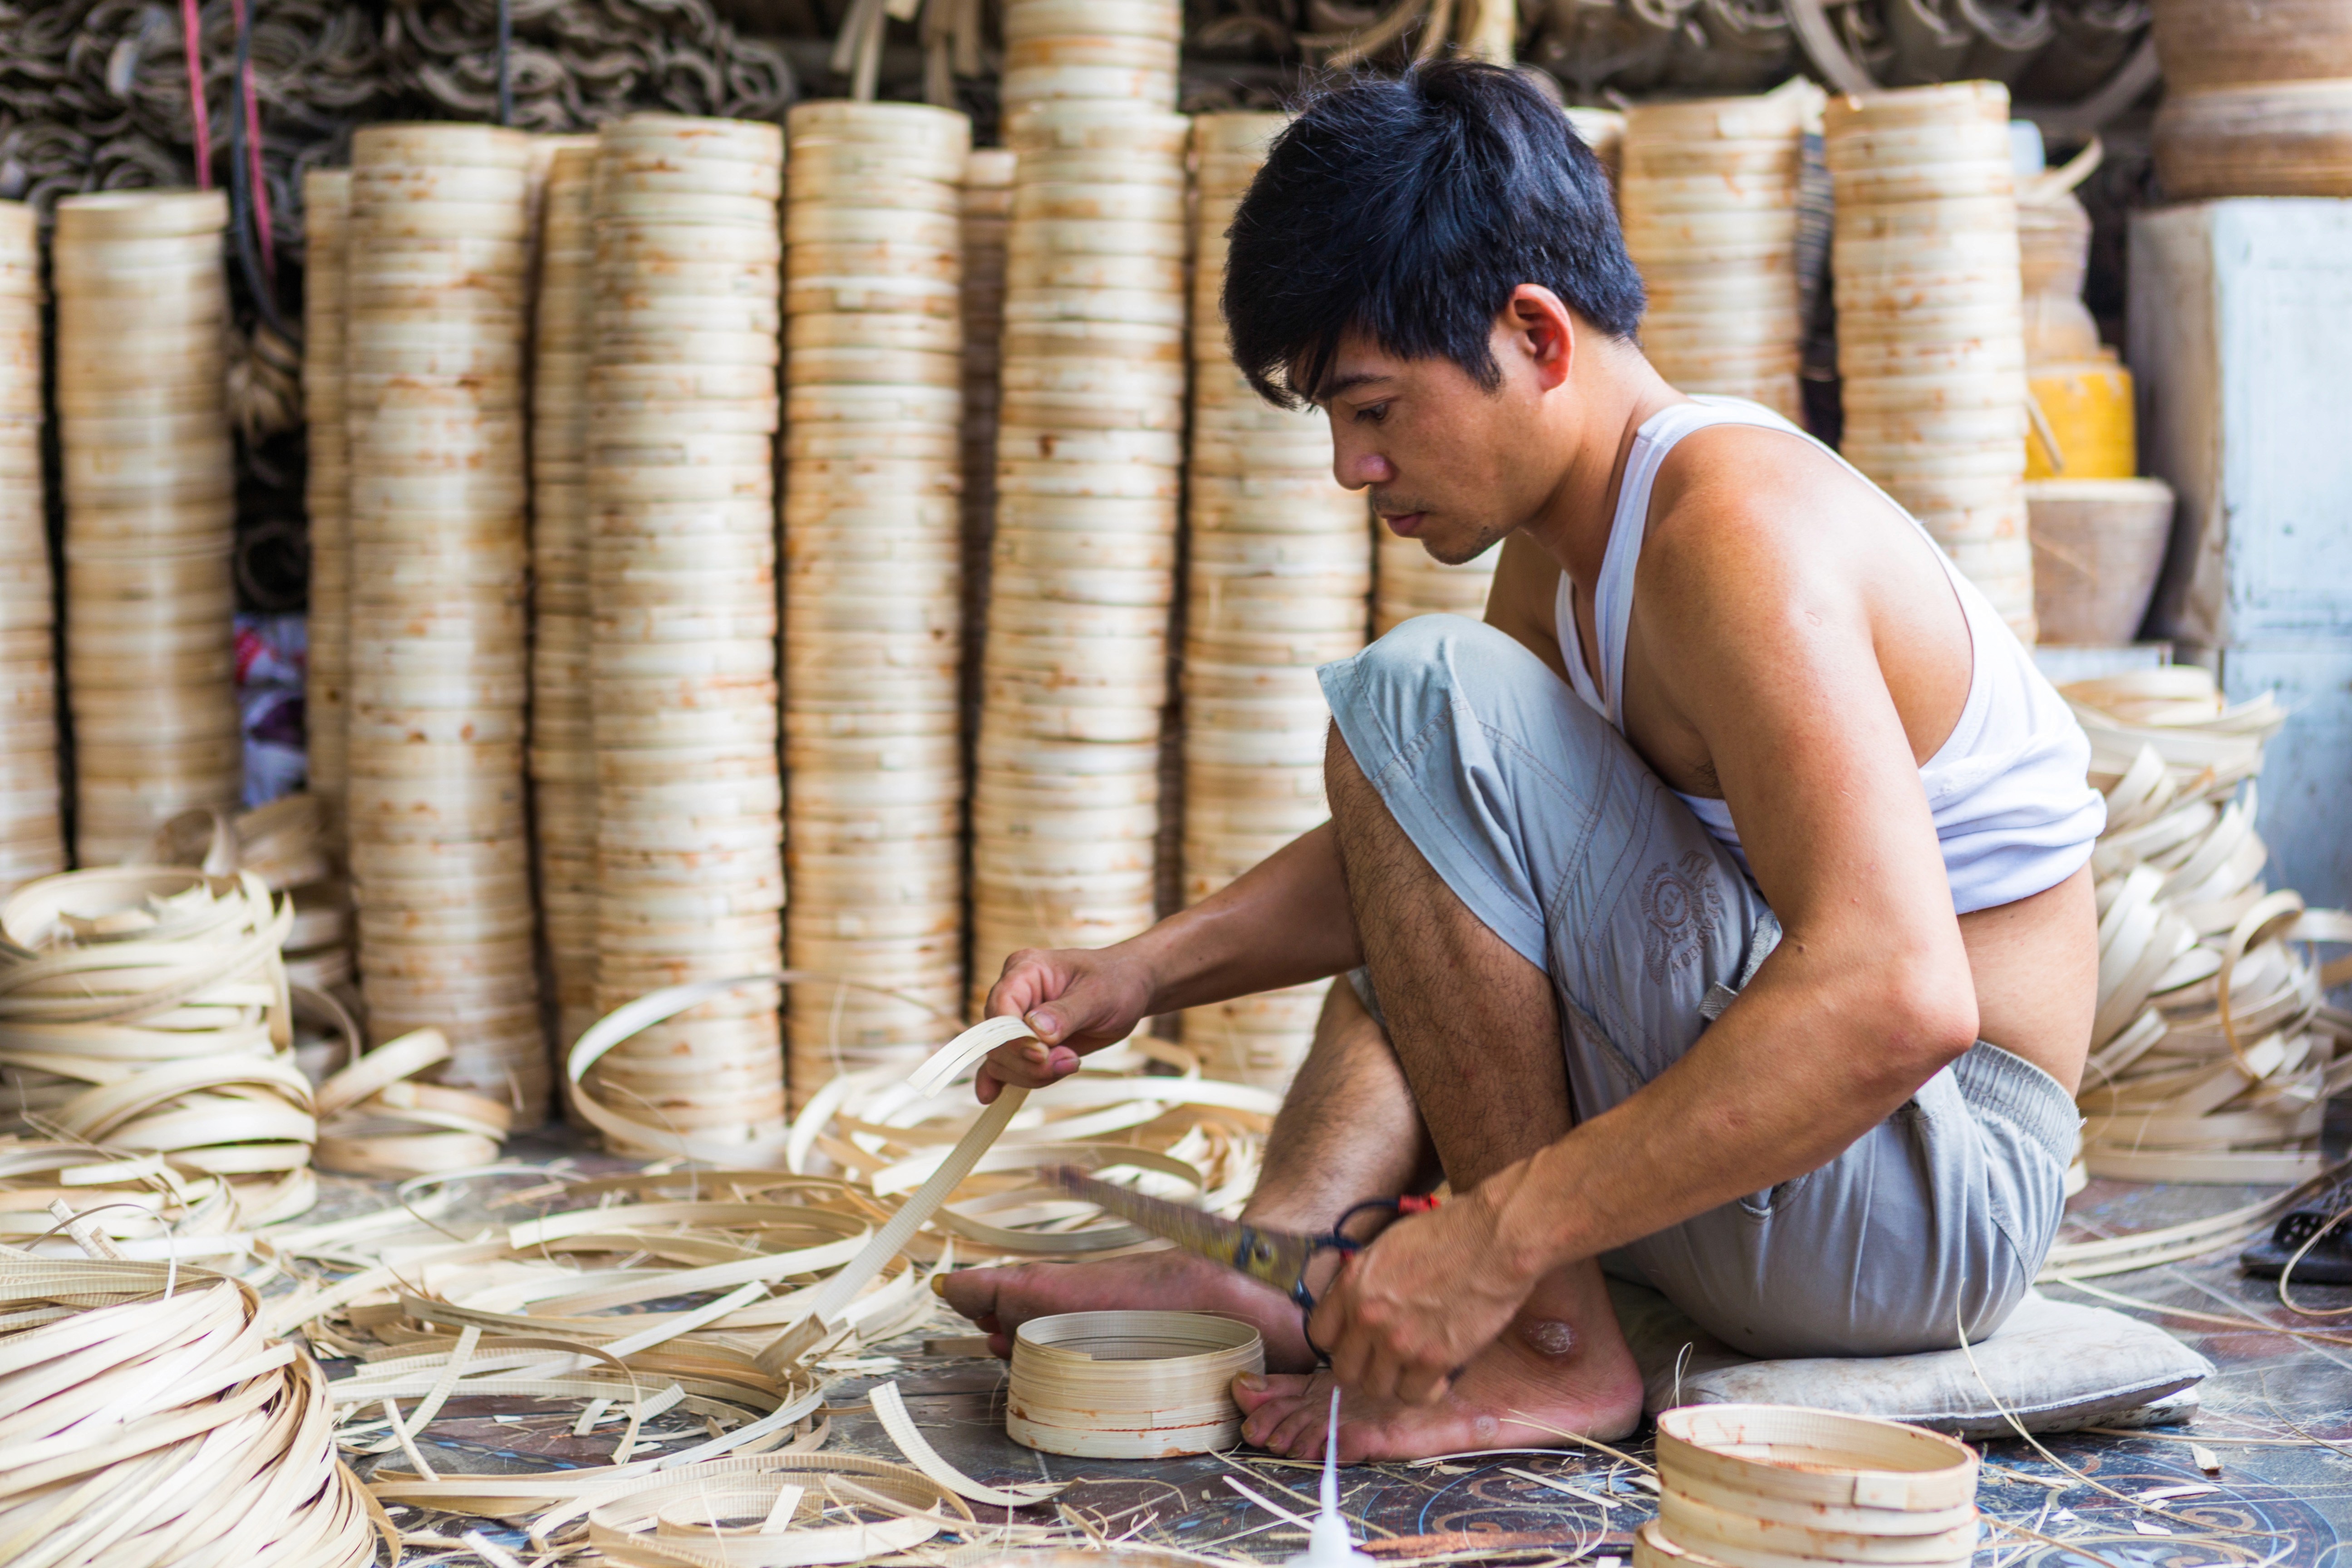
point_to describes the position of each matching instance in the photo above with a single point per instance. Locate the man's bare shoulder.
(1741, 509)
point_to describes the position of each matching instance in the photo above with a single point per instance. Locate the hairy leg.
(1347, 1131)
(1476, 1031)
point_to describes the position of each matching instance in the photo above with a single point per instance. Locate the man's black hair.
(1409, 209)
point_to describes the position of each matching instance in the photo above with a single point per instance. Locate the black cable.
(240, 179)
(506, 79)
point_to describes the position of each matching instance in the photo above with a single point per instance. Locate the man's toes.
(1253, 1389)
(972, 1293)
(1301, 1433)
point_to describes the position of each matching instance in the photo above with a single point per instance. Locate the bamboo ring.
(1128, 1385)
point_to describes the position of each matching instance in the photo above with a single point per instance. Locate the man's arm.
(1759, 632)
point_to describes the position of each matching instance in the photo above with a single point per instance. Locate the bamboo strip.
(32, 826)
(145, 487)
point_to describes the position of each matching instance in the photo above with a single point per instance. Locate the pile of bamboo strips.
(562, 736)
(151, 504)
(682, 413)
(436, 292)
(32, 826)
(327, 489)
(1709, 197)
(1280, 564)
(1065, 812)
(873, 586)
(1931, 342)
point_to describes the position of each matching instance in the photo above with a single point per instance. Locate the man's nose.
(1357, 468)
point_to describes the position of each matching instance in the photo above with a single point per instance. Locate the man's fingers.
(1422, 1385)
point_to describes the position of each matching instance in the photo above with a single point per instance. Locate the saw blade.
(1277, 1258)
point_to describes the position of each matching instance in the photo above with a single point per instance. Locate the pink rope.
(261, 225)
(189, 32)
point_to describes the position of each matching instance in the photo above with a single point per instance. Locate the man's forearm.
(1283, 922)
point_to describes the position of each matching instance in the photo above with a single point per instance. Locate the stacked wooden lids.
(562, 740)
(1279, 569)
(1710, 211)
(1120, 51)
(434, 381)
(987, 223)
(1930, 334)
(1407, 580)
(2257, 98)
(1065, 812)
(682, 413)
(327, 488)
(32, 830)
(151, 507)
(874, 380)
(1775, 1486)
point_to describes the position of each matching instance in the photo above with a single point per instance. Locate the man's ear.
(1541, 330)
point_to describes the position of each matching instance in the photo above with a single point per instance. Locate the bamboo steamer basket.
(1128, 1384)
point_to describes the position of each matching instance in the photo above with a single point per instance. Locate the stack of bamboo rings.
(32, 828)
(1066, 811)
(1105, 51)
(1407, 580)
(1709, 198)
(1281, 562)
(327, 488)
(151, 504)
(873, 586)
(682, 413)
(987, 221)
(1930, 327)
(436, 316)
(1775, 1486)
(562, 737)
(1128, 1385)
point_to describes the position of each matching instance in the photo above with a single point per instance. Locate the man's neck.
(1615, 401)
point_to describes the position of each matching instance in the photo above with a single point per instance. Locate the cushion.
(2055, 1365)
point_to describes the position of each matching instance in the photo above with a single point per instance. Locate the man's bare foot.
(1000, 1301)
(1522, 1392)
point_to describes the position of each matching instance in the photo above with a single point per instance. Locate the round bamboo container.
(680, 607)
(32, 832)
(1116, 50)
(1128, 1385)
(326, 706)
(2258, 100)
(1709, 209)
(1930, 323)
(434, 407)
(1089, 455)
(1253, 769)
(875, 378)
(150, 482)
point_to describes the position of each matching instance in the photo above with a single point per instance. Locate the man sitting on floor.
(1717, 913)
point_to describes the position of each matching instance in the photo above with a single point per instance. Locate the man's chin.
(1448, 549)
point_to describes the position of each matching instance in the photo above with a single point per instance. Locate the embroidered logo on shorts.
(1682, 908)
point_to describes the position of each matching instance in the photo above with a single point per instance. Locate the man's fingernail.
(940, 1286)
(1044, 1023)
(1252, 1381)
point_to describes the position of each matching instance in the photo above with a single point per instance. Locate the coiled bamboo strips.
(1279, 573)
(145, 1010)
(151, 498)
(1066, 811)
(873, 587)
(1931, 343)
(437, 284)
(327, 487)
(32, 827)
(563, 735)
(1709, 196)
(682, 415)
(1104, 50)
(286, 843)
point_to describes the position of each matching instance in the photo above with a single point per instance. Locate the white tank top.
(2013, 807)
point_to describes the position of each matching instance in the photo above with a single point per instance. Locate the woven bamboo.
(682, 411)
(1255, 720)
(1930, 329)
(326, 702)
(2258, 100)
(150, 480)
(1090, 449)
(287, 843)
(32, 830)
(2212, 1056)
(1769, 1486)
(436, 326)
(1128, 1385)
(563, 738)
(1105, 51)
(1709, 200)
(874, 379)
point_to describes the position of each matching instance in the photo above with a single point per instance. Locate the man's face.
(1447, 462)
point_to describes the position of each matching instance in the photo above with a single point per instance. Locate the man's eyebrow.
(1330, 390)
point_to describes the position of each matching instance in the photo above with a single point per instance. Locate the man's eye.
(1372, 413)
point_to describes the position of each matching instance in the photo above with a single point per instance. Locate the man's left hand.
(1411, 1310)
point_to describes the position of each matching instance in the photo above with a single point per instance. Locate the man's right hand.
(1078, 1000)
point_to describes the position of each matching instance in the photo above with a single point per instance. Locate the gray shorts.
(1556, 835)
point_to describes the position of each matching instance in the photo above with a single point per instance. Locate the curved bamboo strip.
(1089, 454)
(563, 735)
(327, 486)
(1931, 343)
(1279, 574)
(682, 415)
(150, 480)
(437, 284)
(288, 845)
(32, 826)
(150, 1420)
(873, 593)
(1128, 1385)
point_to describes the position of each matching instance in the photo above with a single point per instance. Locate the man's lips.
(1405, 525)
